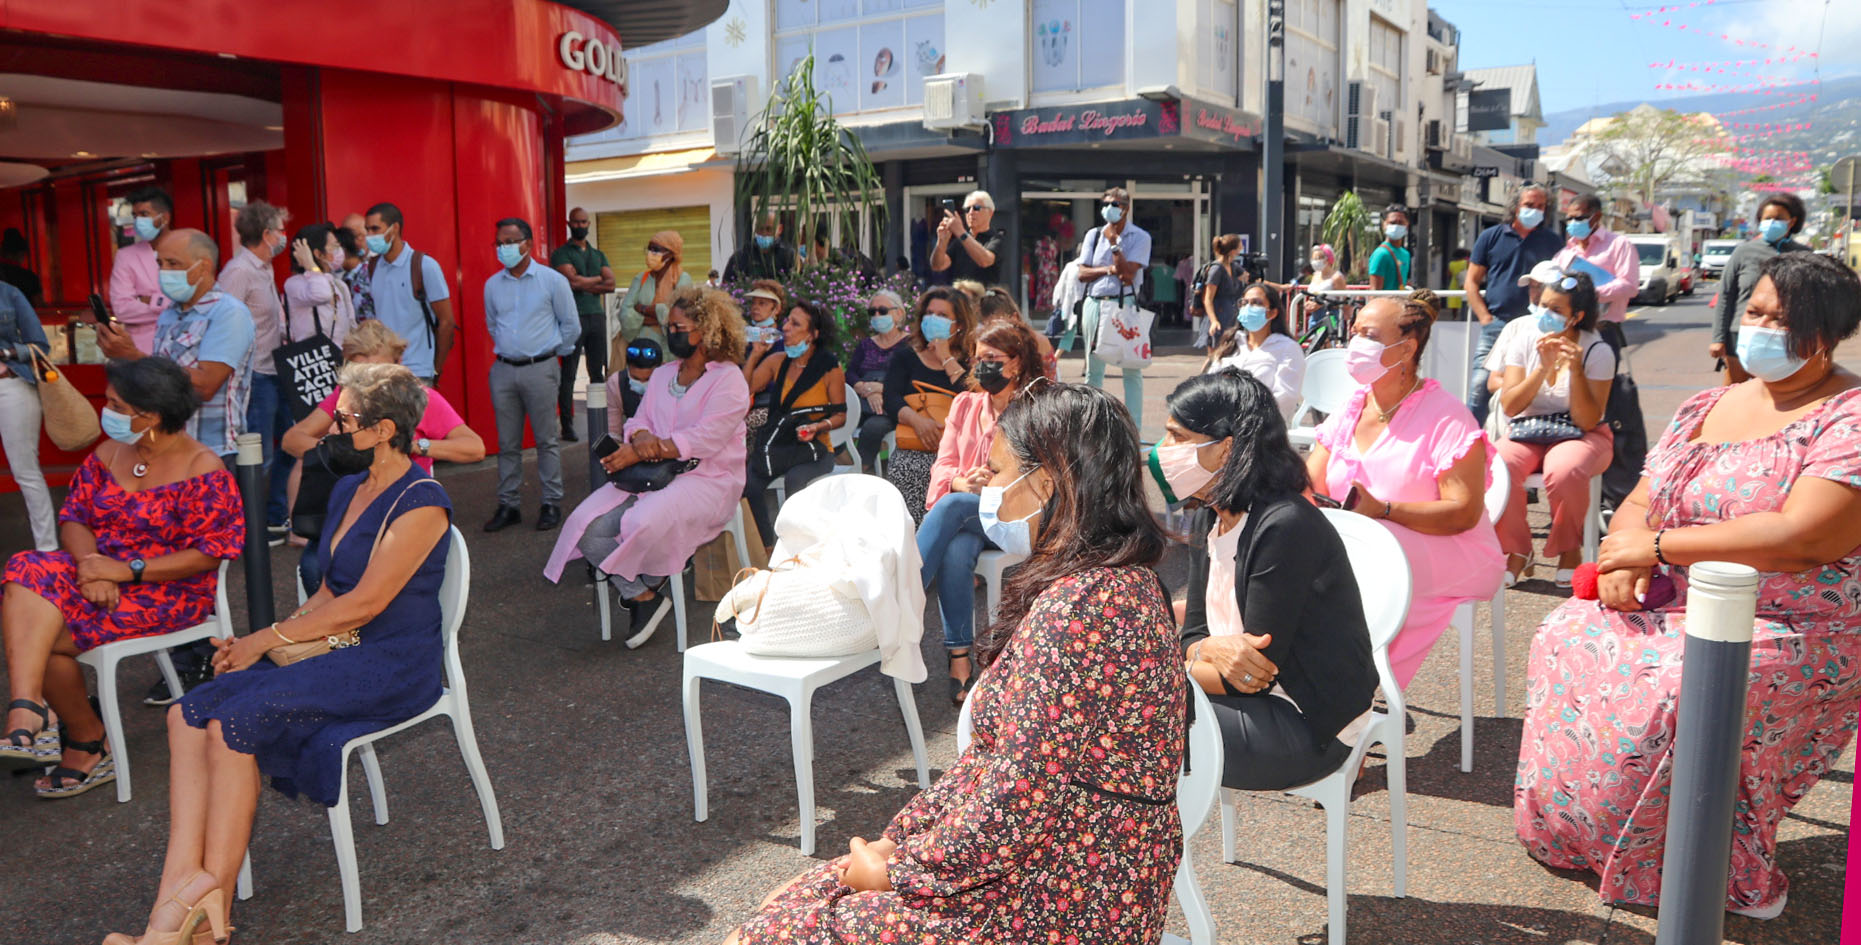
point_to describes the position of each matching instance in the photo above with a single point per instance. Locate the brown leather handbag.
(929, 401)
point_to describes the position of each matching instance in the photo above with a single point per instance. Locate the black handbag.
(643, 477)
(315, 483)
(1544, 428)
(777, 448)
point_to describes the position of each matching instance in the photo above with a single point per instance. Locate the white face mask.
(1015, 537)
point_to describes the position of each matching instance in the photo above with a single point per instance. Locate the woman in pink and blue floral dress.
(1059, 822)
(1767, 474)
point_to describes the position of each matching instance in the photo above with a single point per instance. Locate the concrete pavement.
(585, 745)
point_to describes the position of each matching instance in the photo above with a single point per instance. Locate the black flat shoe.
(548, 518)
(506, 516)
(569, 435)
(959, 688)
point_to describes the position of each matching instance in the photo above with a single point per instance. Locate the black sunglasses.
(656, 248)
(974, 208)
(877, 310)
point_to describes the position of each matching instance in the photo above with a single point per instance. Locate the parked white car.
(1713, 255)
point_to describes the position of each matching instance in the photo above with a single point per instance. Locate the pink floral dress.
(1059, 822)
(1595, 770)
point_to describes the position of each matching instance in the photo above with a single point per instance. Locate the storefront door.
(1056, 215)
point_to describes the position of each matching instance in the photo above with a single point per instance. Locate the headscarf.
(668, 276)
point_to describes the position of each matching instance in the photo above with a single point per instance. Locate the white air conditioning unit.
(1461, 147)
(1402, 136)
(953, 100)
(733, 101)
(1359, 109)
(1379, 137)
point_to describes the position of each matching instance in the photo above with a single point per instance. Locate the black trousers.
(1268, 746)
(593, 346)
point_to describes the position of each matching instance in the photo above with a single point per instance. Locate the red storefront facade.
(455, 110)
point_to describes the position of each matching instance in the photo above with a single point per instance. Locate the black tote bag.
(308, 367)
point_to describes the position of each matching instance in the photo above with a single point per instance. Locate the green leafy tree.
(1647, 148)
(800, 160)
(1349, 227)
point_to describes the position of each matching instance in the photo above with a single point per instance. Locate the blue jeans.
(949, 542)
(268, 414)
(1479, 398)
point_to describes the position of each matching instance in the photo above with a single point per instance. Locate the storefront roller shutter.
(623, 235)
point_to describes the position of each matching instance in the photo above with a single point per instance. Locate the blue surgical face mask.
(796, 349)
(175, 285)
(1765, 352)
(636, 385)
(1112, 213)
(1578, 229)
(1253, 317)
(510, 254)
(880, 324)
(1530, 217)
(1016, 537)
(1396, 231)
(377, 243)
(1549, 322)
(1774, 230)
(146, 230)
(936, 327)
(119, 427)
(765, 241)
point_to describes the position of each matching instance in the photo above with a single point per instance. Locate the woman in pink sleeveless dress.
(1407, 453)
(1767, 474)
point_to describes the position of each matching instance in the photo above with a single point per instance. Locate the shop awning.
(636, 165)
(644, 22)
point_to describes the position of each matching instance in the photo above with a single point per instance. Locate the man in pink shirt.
(1606, 250)
(249, 277)
(136, 298)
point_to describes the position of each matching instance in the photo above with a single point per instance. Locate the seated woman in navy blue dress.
(382, 563)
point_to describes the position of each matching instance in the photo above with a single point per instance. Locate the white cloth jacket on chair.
(856, 527)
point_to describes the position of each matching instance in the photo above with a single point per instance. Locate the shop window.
(1076, 44)
(1218, 47)
(622, 237)
(868, 54)
(1312, 64)
(668, 91)
(1386, 71)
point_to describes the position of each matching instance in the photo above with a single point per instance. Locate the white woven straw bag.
(795, 610)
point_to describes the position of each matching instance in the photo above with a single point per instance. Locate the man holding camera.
(975, 254)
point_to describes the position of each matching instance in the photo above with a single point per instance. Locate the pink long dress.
(1426, 437)
(663, 528)
(1602, 687)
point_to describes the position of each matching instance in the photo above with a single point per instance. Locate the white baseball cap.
(1545, 273)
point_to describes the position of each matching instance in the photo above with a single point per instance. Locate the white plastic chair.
(675, 588)
(1326, 388)
(888, 446)
(990, 565)
(454, 594)
(105, 658)
(1497, 496)
(1592, 519)
(1383, 579)
(1195, 794)
(794, 679)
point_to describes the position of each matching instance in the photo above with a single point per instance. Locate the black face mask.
(679, 343)
(989, 375)
(345, 457)
(578, 233)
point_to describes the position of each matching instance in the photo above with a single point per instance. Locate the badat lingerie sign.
(1134, 120)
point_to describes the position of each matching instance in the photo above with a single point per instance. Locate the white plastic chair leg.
(1593, 520)
(801, 736)
(1228, 816)
(1463, 621)
(602, 605)
(676, 584)
(377, 791)
(112, 712)
(467, 737)
(1398, 769)
(1337, 827)
(694, 746)
(1194, 904)
(736, 535)
(908, 705)
(242, 888)
(344, 837)
(1499, 652)
(169, 676)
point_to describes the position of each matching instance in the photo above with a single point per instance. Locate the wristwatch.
(962, 237)
(136, 567)
(424, 445)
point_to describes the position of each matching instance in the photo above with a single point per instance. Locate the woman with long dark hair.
(1261, 344)
(921, 385)
(1285, 661)
(1060, 818)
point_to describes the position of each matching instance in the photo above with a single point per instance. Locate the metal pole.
(250, 472)
(1273, 145)
(597, 428)
(1722, 603)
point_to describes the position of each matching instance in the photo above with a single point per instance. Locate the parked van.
(1661, 273)
(1713, 256)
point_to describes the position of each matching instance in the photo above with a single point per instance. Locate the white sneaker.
(1771, 911)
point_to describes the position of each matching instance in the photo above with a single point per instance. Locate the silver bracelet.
(1195, 655)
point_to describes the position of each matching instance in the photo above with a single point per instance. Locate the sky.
(1591, 52)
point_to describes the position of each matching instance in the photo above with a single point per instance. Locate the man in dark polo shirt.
(1502, 254)
(967, 247)
(589, 276)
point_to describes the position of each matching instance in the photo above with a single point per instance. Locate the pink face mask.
(1363, 359)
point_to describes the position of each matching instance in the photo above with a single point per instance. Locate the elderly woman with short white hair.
(886, 321)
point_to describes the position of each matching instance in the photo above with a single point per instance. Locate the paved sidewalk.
(585, 745)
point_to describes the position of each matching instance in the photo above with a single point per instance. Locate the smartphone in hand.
(98, 311)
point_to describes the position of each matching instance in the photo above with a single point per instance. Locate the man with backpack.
(409, 289)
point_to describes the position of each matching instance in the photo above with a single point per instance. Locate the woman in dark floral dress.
(150, 516)
(1059, 822)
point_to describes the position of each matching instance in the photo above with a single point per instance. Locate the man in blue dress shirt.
(530, 314)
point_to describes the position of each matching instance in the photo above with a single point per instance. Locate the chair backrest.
(1384, 581)
(848, 433)
(1500, 492)
(455, 592)
(223, 611)
(1327, 384)
(1196, 789)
